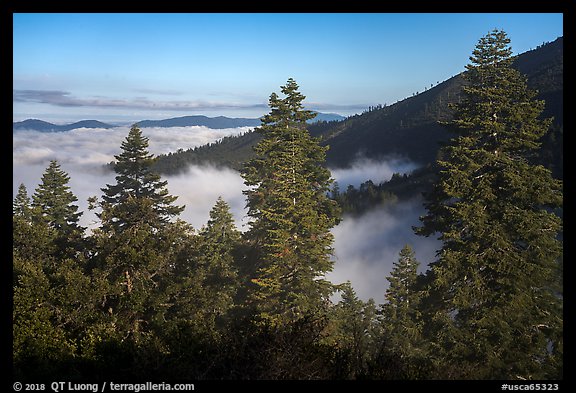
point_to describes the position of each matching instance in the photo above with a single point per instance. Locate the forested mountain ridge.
(219, 122)
(407, 128)
(411, 127)
(44, 126)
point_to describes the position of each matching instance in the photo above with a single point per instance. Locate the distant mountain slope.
(409, 128)
(320, 117)
(43, 126)
(210, 122)
(223, 122)
(219, 122)
(228, 152)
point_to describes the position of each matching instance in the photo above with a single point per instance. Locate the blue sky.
(129, 67)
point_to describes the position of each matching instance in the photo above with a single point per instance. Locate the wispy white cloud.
(65, 99)
(160, 91)
(200, 187)
(61, 98)
(98, 145)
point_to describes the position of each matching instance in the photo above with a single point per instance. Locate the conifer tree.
(35, 339)
(54, 198)
(494, 305)
(402, 350)
(221, 239)
(52, 295)
(353, 335)
(220, 228)
(21, 205)
(53, 204)
(39, 343)
(400, 312)
(32, 238)
(291, 213)
(201, 293)
(139, 196)
(137, 243)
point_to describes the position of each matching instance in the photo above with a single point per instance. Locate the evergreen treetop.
(139, 195)
(493, 293)
(21, 203)
(400, 315)
(55, 200)
(291, 212)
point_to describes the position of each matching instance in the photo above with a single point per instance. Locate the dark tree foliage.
(53, 204)
(400, 312)
(221, 240)
(139, 196)
(31, 237)
(401, 319)
(291, 213)
(137, 245)
(52, 295)
(496, 283)
(353, 335)
(55, 200)
(229, 152)
(21, 205)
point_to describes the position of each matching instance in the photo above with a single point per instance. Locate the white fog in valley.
(365, 247)
(363, 169)
(82, 153)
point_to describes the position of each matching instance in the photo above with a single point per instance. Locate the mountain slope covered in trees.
(44, 126)
(408, 128)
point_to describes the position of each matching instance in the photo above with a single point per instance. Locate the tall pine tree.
(400, 312)
(353, 335)
(139, 195)
(221, 239)
(32, 238)
(21, 205)
(53, 204)
(52, 295)
(137, 242)
(494, 307)
(291, 213)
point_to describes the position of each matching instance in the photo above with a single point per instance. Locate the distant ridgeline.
(219, 122)
(44, 126)
(408, 128)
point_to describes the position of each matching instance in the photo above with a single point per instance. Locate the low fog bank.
(366, 247)
(364, 169)
(99, 145)
(199, 188)
(82, 153)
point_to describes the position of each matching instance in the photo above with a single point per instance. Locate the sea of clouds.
(365, 247)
